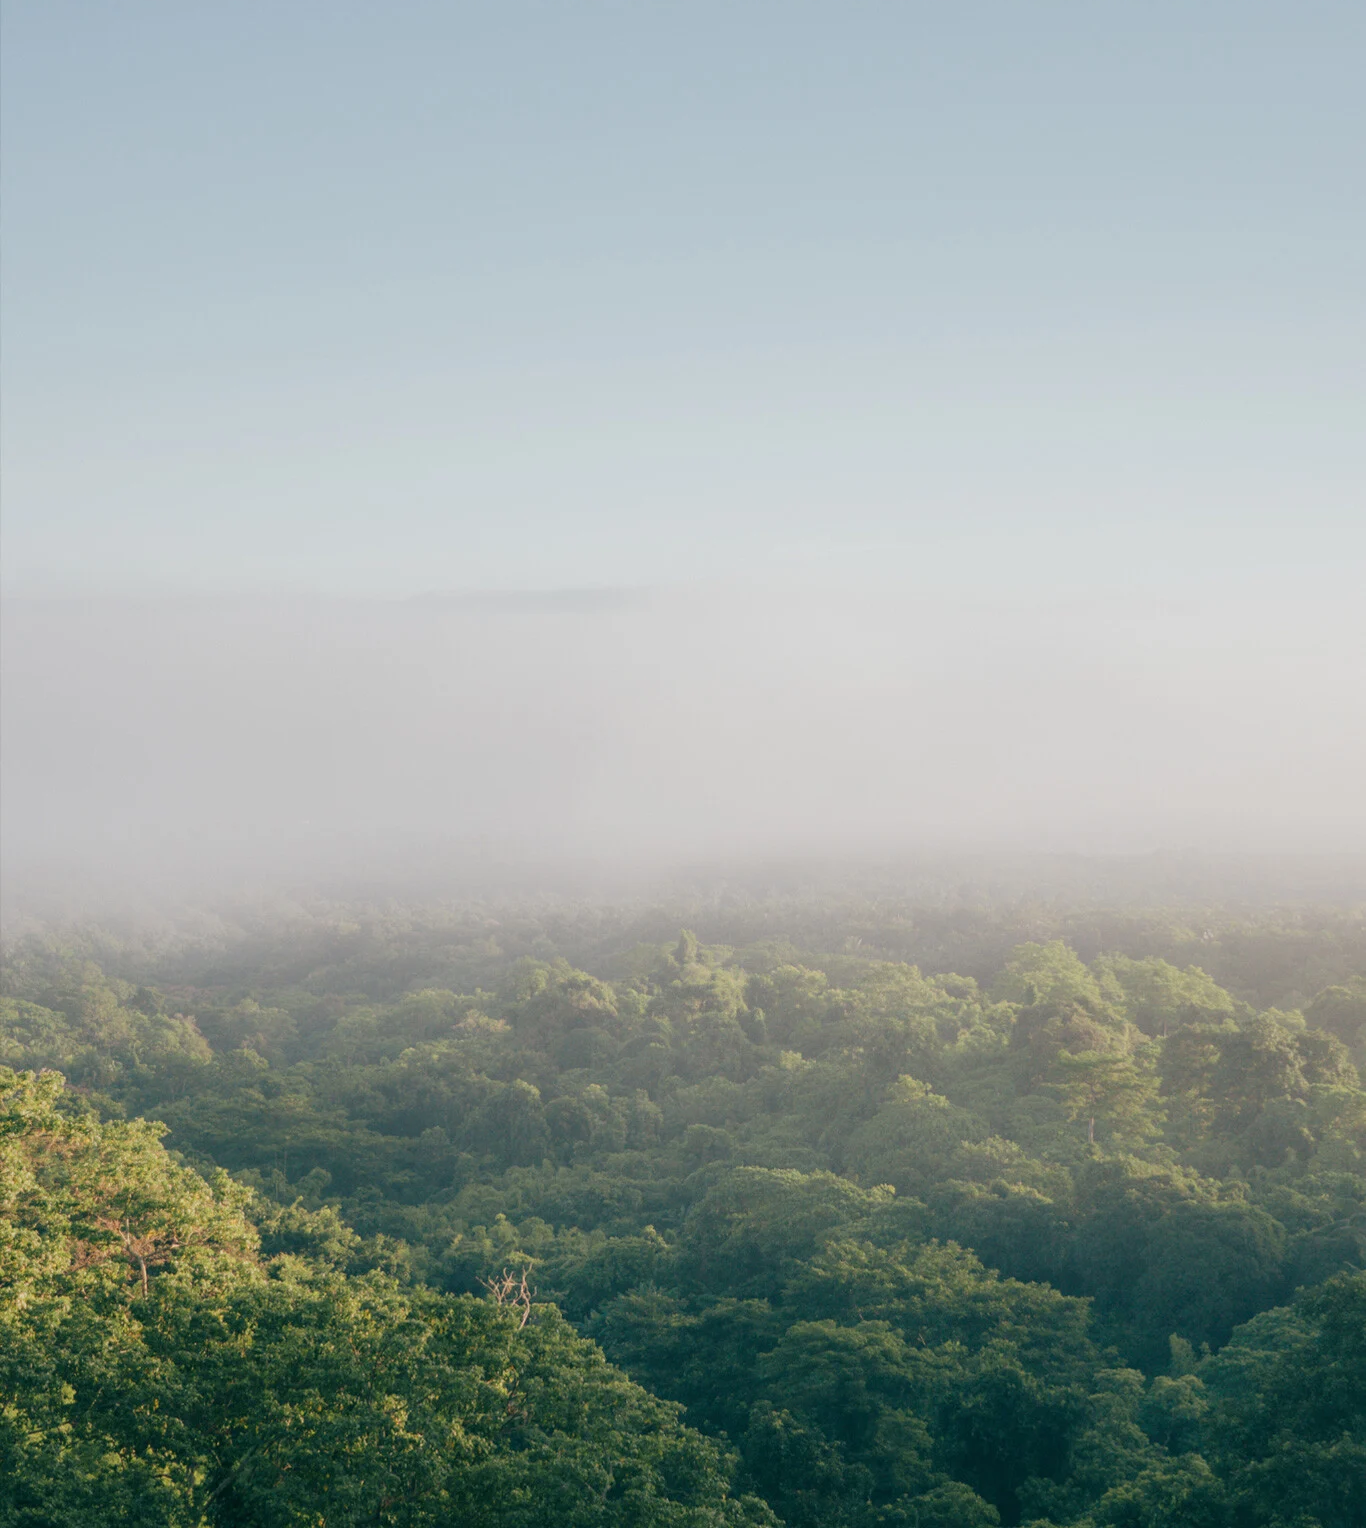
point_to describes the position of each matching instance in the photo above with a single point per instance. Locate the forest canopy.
(852, 1214)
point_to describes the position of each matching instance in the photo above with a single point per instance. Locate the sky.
(376, 300)
(829, 427)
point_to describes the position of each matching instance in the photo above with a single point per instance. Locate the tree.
(1288, 1426)
(1159, 997)
(213, 1389)
(745, 1234)
(1104, 1088)
(1341, 1011)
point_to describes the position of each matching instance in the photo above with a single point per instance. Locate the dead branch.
(511, 1289)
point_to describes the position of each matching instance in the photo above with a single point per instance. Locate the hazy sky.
(978, 388)
(384, 298)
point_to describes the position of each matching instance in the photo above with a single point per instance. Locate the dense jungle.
(754, 1211)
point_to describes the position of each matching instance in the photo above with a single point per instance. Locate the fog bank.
(192, 739)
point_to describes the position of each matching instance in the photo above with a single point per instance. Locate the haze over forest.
(276, 739)
(683, 765)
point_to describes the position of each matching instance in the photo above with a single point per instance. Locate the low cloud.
(202, 737)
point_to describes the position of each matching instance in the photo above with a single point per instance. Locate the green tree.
(1158, 997)
(1109, 1092)
(210, 1388)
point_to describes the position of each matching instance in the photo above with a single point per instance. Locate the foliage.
(1075, 1238)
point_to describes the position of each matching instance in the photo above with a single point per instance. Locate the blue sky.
(379, 299)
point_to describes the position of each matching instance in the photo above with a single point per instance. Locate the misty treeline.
(811, 1213)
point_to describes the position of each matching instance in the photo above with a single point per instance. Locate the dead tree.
(511, 1289)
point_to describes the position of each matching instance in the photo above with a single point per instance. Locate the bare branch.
(510, 1288)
